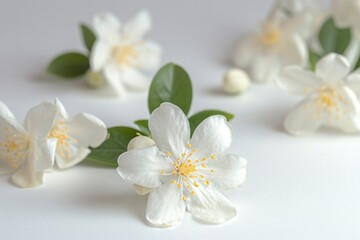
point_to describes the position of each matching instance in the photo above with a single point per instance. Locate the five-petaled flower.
(264, 53)
(75, 135)
(120, 51)
(27, 151)
(330, 96)
(185, 173)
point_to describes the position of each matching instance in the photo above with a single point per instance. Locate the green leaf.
(197, 118)
(333, 39)
(108, 152)
(171, 84)
(88, 36)
(144, 127)
(313, 59)
(69, 65)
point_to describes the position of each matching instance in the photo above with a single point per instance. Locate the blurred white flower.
(236, 81)
(330, 97)
(183, 172)
(27, 151)
(276, 45)
(75, 135)
(121, 52)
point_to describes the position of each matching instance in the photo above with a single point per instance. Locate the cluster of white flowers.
(290, 29)
(49, 135)
(121, 52)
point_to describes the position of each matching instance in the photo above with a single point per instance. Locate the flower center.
(14, 148)
(64, 141)
(329, 100)
(125, 54)
(190, 171)
(271, 36)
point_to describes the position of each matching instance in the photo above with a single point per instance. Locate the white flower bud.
(236, 81)
(140, 142)
(95, 79)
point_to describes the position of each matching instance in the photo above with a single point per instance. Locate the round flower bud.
(140, 142)
(236, 81)
(95, 79)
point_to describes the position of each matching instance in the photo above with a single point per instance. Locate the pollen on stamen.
(162, 172)
(183, 155)
(206, 182)
(213, 156)
(183, 198)
(192, 192)
(168, 154)
(212, 170)
(172, 181)
(195, 184)
(179, 185)
(203, 165)
(188, 145)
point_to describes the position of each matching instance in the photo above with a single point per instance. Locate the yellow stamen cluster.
(14, 148)
(125, 54)
(271, 35)
(64, 142)
(329, 100)
(186, 169)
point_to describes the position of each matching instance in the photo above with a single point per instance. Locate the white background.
(298, 188)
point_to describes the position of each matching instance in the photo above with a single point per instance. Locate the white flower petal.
(248, 48)
(229, 171)
(141, 190)
(26, 176)
(149, 55)
(135, 80)
(210, 206)
(304, 119)
(353, 82)
(165, 207)
(87, 129)
(143, 167)
(140, 142)
(78, 154)
(62, 114)
(212, 136)
(43, 153)
(170, 129)
(40, 119)
(100, 55)
(332, 68)
(295, 80)
(293, 51)
(114, 79)
(106, 23)
(349, 124)
(138, 26)
(265, 68)
(348, 104)
(8, 121)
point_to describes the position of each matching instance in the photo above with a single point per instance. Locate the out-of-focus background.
(298, 188)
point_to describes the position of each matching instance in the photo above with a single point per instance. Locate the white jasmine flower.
(185, 173)
(75, 135)
(120, 51)
(266, 52)
(27, 151)
(329, 96)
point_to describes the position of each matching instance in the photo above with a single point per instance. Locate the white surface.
(298, 188)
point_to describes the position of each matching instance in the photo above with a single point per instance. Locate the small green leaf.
(69, 65)
(171, 84)
(197, 118)
(88, 36)
(144, 127)
(313, 59)
(108, 152)
(334, 39)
